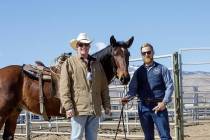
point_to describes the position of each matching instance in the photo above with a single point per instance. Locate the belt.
(151, 101)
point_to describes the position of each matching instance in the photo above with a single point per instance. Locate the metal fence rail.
(38, 126)
(196, 109)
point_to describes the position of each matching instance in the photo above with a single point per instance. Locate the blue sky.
(40, 30)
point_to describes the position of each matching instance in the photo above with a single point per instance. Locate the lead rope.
(121, 118)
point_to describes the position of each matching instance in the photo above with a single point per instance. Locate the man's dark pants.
(148, 118)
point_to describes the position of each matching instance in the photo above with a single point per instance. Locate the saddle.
(35, 71)
(42, 73)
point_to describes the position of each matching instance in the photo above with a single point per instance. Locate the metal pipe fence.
(195, 81)
(196, 108)
(107, 124)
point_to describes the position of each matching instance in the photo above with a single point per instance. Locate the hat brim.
(73, 43)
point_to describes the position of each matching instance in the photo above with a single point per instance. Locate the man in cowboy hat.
(83, 89)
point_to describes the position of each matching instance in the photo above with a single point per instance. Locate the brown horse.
(20, 91)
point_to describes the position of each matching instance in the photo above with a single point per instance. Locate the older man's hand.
(69, 113)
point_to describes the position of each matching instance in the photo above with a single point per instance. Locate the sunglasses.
(148, 52)
(83, 45)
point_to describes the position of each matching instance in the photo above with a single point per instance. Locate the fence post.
(195, 104)
(179, 130)
(28, 130)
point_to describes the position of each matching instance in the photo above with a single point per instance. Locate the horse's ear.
(130, 41)
(112, 40)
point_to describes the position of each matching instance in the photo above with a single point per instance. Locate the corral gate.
(195, 85)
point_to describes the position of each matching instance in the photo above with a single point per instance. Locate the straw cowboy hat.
(82, 37)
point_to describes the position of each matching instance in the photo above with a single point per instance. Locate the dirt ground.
(191, 132)
(197, 132)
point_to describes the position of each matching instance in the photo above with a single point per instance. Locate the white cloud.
(97, 47)
(100, 45)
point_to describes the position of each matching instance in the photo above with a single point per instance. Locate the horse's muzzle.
(125, 79)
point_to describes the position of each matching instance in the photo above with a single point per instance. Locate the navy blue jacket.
(153, 83)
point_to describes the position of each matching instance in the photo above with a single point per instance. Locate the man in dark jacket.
(153, 86)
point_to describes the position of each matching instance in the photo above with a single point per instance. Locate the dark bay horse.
(19, 91)
(115, 59)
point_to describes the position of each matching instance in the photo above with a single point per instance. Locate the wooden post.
(179, 130)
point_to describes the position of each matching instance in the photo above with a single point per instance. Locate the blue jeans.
(148, 118)
(88, 124)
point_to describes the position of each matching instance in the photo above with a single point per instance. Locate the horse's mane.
(102, 54)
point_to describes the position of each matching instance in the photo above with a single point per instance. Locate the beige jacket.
(78, 93)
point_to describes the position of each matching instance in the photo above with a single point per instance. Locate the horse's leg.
(5, 110)
(2, 120)
(4, 114)
(10, 125)
(8, 115)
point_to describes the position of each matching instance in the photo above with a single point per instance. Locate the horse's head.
(121, 55)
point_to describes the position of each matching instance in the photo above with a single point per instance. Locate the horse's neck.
(105, 57)
(108, 68)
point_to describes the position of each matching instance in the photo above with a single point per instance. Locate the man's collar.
(151, 65)
(89, 58)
